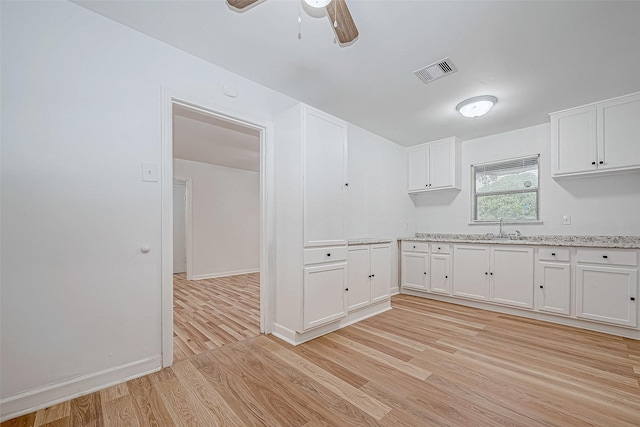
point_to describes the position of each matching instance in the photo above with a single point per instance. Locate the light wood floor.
(424, 363)
(210, 313)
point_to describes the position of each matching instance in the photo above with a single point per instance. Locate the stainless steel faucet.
(501, 235)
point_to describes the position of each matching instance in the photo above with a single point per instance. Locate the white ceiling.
(535, 56)
(203, 138)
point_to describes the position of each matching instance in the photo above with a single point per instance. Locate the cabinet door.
(441, 164)
(324, 298)
(325, 161)
(607, 294)
(471, 272)
(554, 287)
(418, 167)
(573, 141)
(619, 133)
(440, 277)
(512, 276)
(358, 277)
(380, 272)
(414, 270)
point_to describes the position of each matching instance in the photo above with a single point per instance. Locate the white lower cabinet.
(594, 284)
(554, 283)
(440, 277)
(607, 294)
(414, 270)
(499, 274)
(369, 277)
(607, 286)
(324, 290)
(553, 280)
(511, 276)
(471, 271)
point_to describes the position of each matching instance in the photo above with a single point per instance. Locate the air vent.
(436, 70)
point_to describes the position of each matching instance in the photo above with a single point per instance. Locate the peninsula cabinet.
(607, 286)
(599, 138)
(435, 165)
(369, 275)
(501, 274)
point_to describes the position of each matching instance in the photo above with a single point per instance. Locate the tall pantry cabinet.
(311, 184)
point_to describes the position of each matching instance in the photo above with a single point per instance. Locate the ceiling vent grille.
(436, 70)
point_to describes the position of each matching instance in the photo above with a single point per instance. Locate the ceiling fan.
(337, 10)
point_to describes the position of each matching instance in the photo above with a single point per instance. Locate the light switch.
(150, 172)
(566, 220)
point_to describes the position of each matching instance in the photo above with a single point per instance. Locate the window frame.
(474, 194)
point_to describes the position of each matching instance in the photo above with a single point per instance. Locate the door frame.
(188, 231)
(267, 208)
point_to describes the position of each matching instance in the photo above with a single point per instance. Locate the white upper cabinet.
(325, 179)
(435, 165)
(598, 138)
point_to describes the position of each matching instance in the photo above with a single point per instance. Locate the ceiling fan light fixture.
(317, 3)
(476, 106)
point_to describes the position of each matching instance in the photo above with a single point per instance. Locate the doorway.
(216, 283)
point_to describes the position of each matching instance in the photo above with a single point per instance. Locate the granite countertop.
(621, 242)
(368, 241)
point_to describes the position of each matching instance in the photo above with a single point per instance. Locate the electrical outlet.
(566, 220)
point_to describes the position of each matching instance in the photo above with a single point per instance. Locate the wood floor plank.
(87, 411)
(423, 363)
(52, 413)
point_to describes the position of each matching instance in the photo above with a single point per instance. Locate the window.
(506, 190)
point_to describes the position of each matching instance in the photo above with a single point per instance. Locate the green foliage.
(519, 206)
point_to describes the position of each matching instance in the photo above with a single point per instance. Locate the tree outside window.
(506, 190)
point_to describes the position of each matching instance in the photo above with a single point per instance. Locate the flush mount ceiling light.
(317, 3)
(476, 106)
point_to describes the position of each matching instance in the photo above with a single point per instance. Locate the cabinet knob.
(541, 286)
(605, 256)
(553, 254)
(486, 274)
(593, 163)
(601, 162)
(373, 275)
(329, 254)
(346, 289)
(446, 277)
(414, 246)
(425, 272)
(369, 276)
(438, 248)
(491, 274)
(346, 184)
(633, 298)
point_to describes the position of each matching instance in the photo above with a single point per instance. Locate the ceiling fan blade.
(346, 30)
(241, 4)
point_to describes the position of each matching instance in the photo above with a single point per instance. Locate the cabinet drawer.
(608, 256)
(440, 248)
(409, 246)
(553, 254)
(327, 254)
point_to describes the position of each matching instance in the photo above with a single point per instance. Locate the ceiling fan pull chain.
(335, 13)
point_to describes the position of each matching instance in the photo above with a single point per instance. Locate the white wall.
(377, 202)
(81, 110)
(225, 218)
(598, 205)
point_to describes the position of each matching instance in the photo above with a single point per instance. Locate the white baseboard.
(223, 274)
(42, 397)
(295, 338)
(395, 290)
